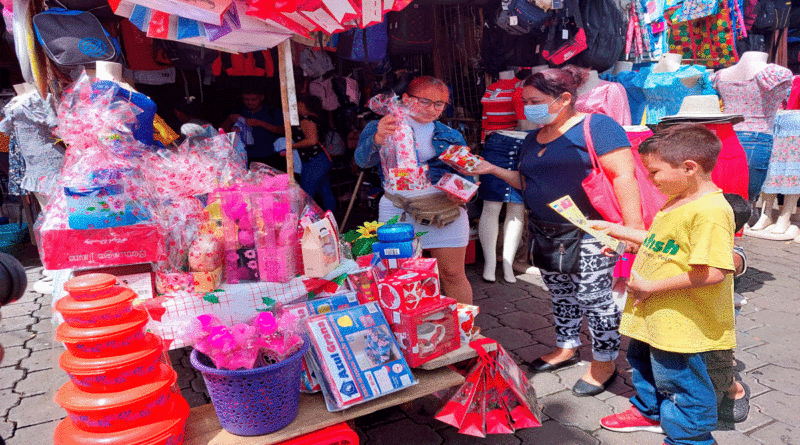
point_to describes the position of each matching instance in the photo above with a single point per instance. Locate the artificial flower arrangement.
(263, 341)
(363, 237)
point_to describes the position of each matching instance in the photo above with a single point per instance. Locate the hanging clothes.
(608, 98)
(661, 94)
(794, 96)
(31, 120)
(16, 166)
(498, 107)
(757, 99)
(709, 39)
(731, 173)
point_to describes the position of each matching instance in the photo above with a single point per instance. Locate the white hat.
(705, 108)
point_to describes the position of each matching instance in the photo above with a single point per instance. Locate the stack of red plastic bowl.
(121, 391)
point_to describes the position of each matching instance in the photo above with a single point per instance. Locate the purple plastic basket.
(253, 402)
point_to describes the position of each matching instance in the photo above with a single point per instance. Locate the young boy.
(680, 293)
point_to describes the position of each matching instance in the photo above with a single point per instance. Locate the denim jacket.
(367, 156)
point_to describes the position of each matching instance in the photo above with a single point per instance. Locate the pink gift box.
(459, 156)
(457, 186)
(428, 332)
(404, 291)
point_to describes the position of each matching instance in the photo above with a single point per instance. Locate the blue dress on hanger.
(661, 94)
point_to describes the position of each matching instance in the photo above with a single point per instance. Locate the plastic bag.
(399, 161)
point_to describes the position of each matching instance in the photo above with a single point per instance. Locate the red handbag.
(600, 189)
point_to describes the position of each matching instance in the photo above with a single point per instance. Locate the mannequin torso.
(621, 66)
(669, 62)
(750, 64)
(590, 83)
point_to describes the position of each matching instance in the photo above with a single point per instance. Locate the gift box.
(459, 156)
(357, 356)
(112, 246)
(457, 186)
(170, 282)
(420, 264)
(427, 332)
(409, 178)
(466, 322)
(205, 282)
(323, 305)
(362, 281)
(404, 291)
(101, 207)
(320, 246)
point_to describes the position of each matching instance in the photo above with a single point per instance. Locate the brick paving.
(519, 316)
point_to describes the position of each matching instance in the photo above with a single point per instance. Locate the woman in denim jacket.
(427, 97)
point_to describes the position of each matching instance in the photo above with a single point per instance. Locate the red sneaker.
(630, 421)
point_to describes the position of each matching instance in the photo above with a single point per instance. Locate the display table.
(203, 428)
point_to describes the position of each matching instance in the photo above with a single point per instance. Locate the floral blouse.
(757, 99)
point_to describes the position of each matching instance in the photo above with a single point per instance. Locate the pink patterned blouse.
(757, 99)
(608, 98)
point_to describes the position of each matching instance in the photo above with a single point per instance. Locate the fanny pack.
(435, 209)
(555, 247)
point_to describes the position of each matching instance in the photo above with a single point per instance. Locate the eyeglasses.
(438, 105)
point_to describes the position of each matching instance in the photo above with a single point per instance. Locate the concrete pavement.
(519, 316)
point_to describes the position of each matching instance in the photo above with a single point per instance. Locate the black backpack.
(605, 28)
(186, 56)
(411, 31)
(771, 15)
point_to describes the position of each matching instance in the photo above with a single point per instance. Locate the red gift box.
(362, 281)
(427, 332)
(405, 290)
(111, 246)
(421, 265)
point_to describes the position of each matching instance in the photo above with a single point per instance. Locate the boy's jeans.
(675, 389)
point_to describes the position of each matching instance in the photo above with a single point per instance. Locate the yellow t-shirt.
(695, 319)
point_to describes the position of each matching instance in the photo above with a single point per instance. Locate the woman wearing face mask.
(553, 163)
(426, 97)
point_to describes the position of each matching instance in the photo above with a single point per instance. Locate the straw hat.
(704, 108)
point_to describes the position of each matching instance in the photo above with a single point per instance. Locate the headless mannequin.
(782, 228)
(621, 66)
(590, 83)
(671, 62)
(488, 231)
(750, 64)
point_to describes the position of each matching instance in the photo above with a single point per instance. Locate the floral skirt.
(783, 175)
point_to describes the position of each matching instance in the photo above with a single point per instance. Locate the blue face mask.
(538, 114)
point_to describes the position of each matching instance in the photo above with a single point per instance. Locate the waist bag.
(436, 209)
(555, 247)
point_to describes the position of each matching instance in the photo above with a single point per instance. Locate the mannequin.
(751, 65)
(668, 63)
(671, 62)
(782, 228)
(590, 83)
(503, 147)
(621, 66)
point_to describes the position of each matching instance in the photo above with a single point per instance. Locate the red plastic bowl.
(168, 431)
(117, 411)
(103, 341)
(100, 312)
(117, 372)
(91, 286)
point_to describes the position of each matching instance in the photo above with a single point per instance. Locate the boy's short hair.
(741, 210)
(684, 142)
